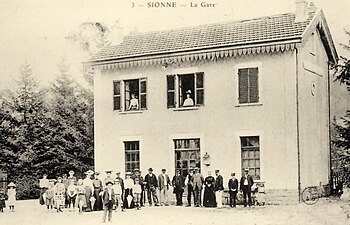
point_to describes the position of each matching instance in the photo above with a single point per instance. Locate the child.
(59, 194)
(11, 193)
(108, 201)
(80, 200)
(2, 200)
(71, 195)
(49, 194)
(137, 193)
(117, 188)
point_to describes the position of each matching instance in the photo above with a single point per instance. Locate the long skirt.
(59, 199)
(42, 197)
(98, 203)
(80, 201)
(209, 197)
(128, 199)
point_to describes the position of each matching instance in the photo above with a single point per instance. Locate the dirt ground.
(325, 212)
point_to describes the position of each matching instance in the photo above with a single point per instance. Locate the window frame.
(237, 67)
(176, 91)
(250, 149)
(122, 96)
(138, 151)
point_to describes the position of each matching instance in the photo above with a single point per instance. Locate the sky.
(34, 31)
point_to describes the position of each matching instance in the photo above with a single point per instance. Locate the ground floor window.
(250, 147)
(132, 155)
(187, 155)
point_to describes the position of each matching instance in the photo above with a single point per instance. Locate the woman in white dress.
(11, 193)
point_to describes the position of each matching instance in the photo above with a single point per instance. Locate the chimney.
(301, 11)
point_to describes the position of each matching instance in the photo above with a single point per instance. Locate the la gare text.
(174, 4)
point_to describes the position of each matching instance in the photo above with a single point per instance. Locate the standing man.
(89, 187)
(65, 182)
(233, 189)
(151, 185)
(137, 175)
(44, 185)
(219, 187)
(245, 186)
(164, 183)
(97, 190)
(72, 178)
(189, 184)
(197, 180)
(179, 185)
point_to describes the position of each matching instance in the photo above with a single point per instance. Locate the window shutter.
(253, 85)
(170, 91)
(116, 95)
(199, 89)
(243, 86)
(143, 93)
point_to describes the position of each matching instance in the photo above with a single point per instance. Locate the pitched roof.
(243, 32)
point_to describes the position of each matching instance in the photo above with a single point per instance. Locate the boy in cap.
(245, 186)
(137, 190)
(233, 189)
(151, 184)
(164, 183)
(108, 201)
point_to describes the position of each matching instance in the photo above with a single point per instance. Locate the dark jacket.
(233, 185)
(219, 183)
(151, 180)
(105, 197)
(250, 181)
(178, 183)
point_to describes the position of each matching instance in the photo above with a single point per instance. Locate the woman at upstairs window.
(188, 101)
(134, 103)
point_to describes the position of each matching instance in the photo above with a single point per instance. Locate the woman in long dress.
(11, 193)
(209, 194)
(128, 200)
(59, 194)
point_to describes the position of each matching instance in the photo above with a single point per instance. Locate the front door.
(187, 155)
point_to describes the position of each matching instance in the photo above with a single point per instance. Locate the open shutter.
(116, 95)
(143, 93)
(199, 88)
(243, 86)
(171, 91)
(253, 85)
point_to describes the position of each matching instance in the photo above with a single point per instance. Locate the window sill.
(131, 112)
(186, 108)
(248, 104)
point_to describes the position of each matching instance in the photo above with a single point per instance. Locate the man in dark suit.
(179, 185)
(151, 185)
(245, 186)
(233, 189)
(219, 187)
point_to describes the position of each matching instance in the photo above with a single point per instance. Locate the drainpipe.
(329, 124)
(297, 105)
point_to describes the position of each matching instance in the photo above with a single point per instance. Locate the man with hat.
(97, 183)
(72, 178)
(151, 185)
(179, 185)
(233, 189)
(189, 184)
(197, 180)
(89, 187)
(245, 186)
(219, 187)
(137, 175)
(164, 183)
(44, 185)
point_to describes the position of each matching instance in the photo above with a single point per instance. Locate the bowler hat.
(233, 174)
(163, 170)
(246, 170)
(108, 171)
(216, 171)
(109, 182)
(150, 169)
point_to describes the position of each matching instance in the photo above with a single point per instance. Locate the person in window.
(188, 101)
(245, 186)
(134, 103)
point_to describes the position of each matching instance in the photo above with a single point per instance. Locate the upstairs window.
(248, 85)
(130, 95)
(185, 90)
